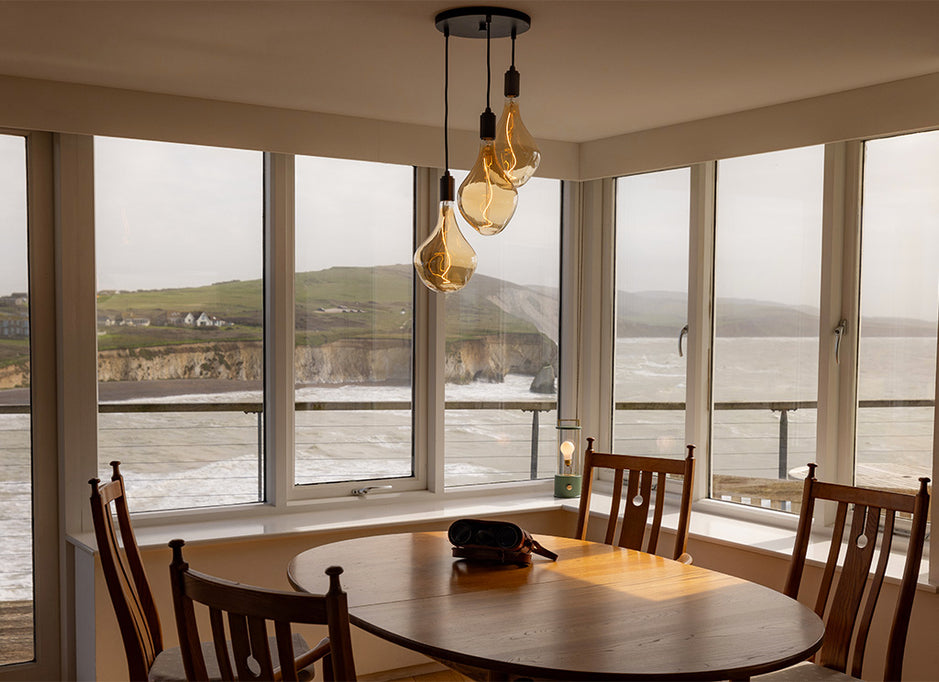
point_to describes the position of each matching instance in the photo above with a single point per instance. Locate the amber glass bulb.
(487, 198)
(445, 261)
(516, 151)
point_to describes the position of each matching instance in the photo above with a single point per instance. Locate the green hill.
(339, 302)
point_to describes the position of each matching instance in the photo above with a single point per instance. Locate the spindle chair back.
(873, 525)
(245, 651)
(639, 472)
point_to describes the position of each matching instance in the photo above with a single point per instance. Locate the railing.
(535, 407)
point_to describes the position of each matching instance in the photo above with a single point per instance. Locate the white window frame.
(43, 239)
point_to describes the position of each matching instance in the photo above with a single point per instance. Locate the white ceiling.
(589, 69)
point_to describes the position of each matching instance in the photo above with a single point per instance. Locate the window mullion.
(700, 320)
(76, 323)
(429, 347)
(279, 325)
(840, 287)
(596, 212)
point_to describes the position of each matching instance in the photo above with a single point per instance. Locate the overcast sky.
(171, 215)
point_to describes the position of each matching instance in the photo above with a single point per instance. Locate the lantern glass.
(567, 480)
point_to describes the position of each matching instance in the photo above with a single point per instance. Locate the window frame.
(45, 380)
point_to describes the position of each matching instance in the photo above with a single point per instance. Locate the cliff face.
(488, 359)
(347, 361)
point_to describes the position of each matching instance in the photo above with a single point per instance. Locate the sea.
(209, 458)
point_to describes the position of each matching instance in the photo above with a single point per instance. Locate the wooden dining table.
(599, 612)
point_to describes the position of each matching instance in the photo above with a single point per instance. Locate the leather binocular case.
(498, 542)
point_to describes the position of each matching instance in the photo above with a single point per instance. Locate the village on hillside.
(170, 319)
(14, 316)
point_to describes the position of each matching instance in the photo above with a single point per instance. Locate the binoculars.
(495, 541)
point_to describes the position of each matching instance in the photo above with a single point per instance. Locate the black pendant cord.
(488, 60)
(446, 101)
(513, 47)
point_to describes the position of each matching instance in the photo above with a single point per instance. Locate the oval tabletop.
(598, 612)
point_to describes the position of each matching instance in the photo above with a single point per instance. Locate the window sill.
(379, 511)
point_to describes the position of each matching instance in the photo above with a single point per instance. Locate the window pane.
(897, 341)
(652, 216)
(179, 248)
(502, 352)
(354, 291)
(767, 275)
(16, 489)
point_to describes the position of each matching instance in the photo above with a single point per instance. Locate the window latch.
(681, 335)
(362, 492)
(840, 331)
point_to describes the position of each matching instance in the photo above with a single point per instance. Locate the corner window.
(767, 274)
(179, 250)
(649, 383)
(354, 321)
(502, 348)
(896, 371)
(17, 585)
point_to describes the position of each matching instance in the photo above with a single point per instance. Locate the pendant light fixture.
(487, 197)
(445, 261)
(516, 151)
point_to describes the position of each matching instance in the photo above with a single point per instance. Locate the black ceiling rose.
(470, 22)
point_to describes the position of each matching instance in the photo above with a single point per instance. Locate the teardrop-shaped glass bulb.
(487, 198)
(445, 261)
(516, 151)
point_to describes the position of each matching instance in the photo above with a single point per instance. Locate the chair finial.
(116, 473)
(334, 572)
(812, 467)
(177, 546)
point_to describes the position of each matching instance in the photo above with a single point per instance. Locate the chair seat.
(804, 671)
(168, 666)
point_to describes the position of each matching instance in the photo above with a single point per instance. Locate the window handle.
(682, 334)
(362, 492)
(840, 331)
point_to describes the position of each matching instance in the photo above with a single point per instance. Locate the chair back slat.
(843, 611)
(261, 648)
(285, 650)
(847, 625)
(634, 518)
(249, 610)
(240, 644)
(636, 511)
(220, 642)
(873, 594)
(128, 586)
(653, 541)
(614, 507)
(824, 590)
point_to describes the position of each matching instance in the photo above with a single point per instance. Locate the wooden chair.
(872, 510)
(129, 588)
(248, 609)
(638, 498)
(127, 581)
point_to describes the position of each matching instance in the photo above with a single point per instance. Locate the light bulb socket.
(447, 192)
(487, 125)
(512, 78)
